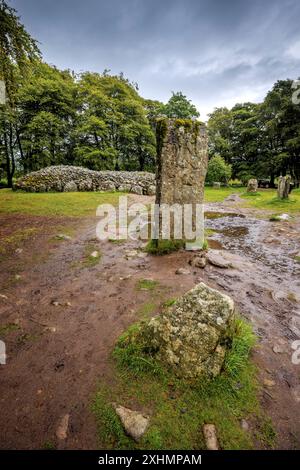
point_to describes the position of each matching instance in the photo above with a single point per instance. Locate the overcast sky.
(216, 52)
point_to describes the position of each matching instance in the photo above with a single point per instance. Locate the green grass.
(147, 309)
(89, 261)
(177, 408)
(163, 247)
(81, 204)
(77, 204)
(218, 195)
(5, 329)
(274, 218)
(147, 284)
(13, 241)
(267, 200)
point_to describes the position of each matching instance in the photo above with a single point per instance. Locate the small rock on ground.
(182, 271)
(198, 262)
(62, 430)
(210, 436)
(216, 258)
(134, 423)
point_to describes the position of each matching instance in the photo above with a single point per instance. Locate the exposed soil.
(63, 316)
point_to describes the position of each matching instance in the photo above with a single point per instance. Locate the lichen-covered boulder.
(191, 337)
(252, 186)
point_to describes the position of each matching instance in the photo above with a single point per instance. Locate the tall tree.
(180, 107)
(17, 50)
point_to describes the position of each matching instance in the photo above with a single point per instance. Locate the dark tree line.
(260, 140)
(100, 121)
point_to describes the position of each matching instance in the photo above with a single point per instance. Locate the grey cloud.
(217, 52)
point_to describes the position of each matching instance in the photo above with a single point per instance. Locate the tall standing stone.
(284, 183)
(182, 156)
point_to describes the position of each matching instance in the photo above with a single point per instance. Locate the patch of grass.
(163, 247)
(147, 284)
(5, 329)
(78, 204)
(147, 309)
(117, 241)
(218, 195)
(209, 232)
(297, 258)
(268, 200)
(179, 408)
(110, 430)
(274, 218)
(11, 242)
(48, 445)
(246, 194)
(89, 260)
(169, 303)
(266, 432)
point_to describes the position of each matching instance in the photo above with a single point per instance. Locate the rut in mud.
(65, 312)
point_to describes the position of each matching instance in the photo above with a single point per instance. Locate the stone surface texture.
(134, 423)
(252, 186)
(73, 178)
(284, 184)
(182, 156)
(191, 336)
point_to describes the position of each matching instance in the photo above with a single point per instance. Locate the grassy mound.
(178, 408)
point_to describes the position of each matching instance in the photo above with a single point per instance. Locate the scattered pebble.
(278, 349)
(95, 254)
(269, 383)
(63, 236)
(245, 425)
(19, 251)
(182, 271)
(210, 436)
(62, 430)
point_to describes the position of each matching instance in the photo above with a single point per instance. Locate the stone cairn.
(65, 178)
(252, 186)
(182, 156)
(284, 184)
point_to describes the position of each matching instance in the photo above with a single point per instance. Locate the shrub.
(218, 170)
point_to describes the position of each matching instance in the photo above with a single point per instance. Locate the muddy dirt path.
(63, 316)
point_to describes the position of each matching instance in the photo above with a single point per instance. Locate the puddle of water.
(245, 236)
(234, 231)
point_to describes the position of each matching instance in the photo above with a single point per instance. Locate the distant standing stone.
(252, 186)
(284, 184)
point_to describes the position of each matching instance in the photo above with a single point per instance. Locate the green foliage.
(259, 140)
(179, 107)
(163, 247)
(17, 48)
(218, 170)
(274, 218)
